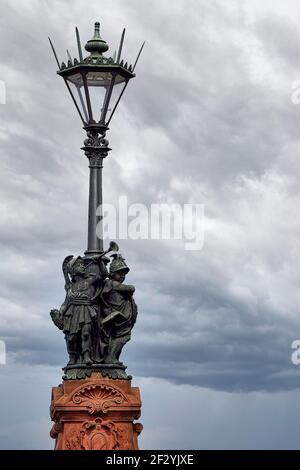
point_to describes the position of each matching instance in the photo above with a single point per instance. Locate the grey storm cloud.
(208, 120)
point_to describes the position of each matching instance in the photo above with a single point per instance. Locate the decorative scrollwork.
(99, 435)
(95, 159)
(98, 398)
(95, 140)
(95, 148)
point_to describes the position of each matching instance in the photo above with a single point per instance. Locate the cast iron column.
(96, 149)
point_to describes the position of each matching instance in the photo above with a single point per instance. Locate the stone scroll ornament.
(97, 315)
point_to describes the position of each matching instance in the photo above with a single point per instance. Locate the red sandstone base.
(95, 414)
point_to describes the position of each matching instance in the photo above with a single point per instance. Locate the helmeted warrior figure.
(119, 310)
(77, 315)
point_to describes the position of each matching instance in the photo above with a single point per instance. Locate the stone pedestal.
(95, 413)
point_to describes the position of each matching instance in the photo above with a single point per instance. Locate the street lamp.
(96, 84)
(99, 310)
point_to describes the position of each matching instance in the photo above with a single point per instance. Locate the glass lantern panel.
(98, 84)
(119, 84)
(100, 93)
(75, 83)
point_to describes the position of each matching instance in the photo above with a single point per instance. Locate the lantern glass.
(75, 83)
(118, 87)
(98, 84)
(96, 93)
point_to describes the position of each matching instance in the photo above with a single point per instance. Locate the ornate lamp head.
(96, 83)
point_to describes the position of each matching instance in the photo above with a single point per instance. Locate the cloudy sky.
(208, 120)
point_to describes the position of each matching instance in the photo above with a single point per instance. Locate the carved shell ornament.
(98, 398)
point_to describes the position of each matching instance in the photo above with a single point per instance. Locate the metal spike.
(114, 56)
(55, 55)
(138, 56)
(69, 56)
(79, 44)
(121, 45)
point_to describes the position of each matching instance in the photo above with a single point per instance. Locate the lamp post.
(99, 310)
(96, 84)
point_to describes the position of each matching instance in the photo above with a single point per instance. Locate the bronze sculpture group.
(98, 313)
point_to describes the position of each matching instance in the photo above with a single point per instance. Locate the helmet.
(75, 266)
(118, 264)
